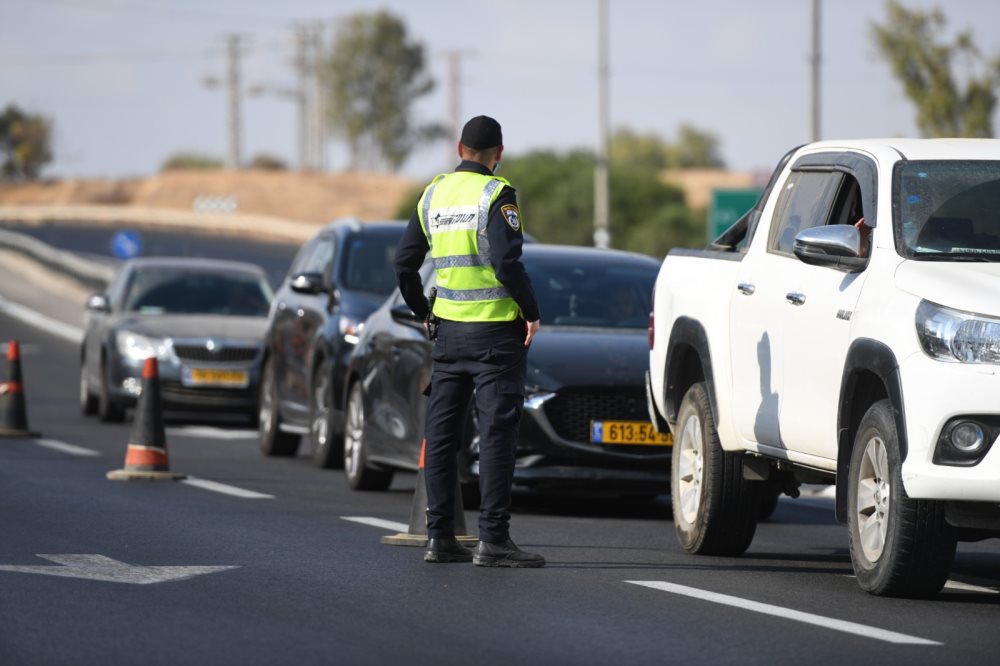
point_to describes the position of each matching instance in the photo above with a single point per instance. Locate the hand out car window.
(157, 290)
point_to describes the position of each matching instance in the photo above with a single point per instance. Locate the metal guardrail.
(92, 274)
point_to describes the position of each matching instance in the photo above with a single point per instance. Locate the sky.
(122, 80)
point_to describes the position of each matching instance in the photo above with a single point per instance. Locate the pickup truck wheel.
(899, 546)
(715, 509)
(273, 441)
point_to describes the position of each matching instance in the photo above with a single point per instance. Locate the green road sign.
(727, 206)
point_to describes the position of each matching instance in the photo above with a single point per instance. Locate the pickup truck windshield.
(947, 210)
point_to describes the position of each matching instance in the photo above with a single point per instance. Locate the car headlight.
(138, 348)
(953, 335)
(350, 328)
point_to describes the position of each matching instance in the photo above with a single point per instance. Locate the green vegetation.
(25, 144)
(374, 74)
(268, 162)
(912, 43)
(182, 161)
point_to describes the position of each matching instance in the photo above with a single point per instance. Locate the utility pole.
(316, 111)
(233, 157)
(814, 60)
(301, 96)
(454, 101)
(602, 235)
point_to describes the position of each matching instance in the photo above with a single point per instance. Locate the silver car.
(203, 319)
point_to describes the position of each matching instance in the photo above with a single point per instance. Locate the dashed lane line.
(63, 447)
(211, 432)
(378, 522)
(38, 320)
(787, 613)
(225, 489)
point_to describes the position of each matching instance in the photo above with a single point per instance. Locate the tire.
(327, 444)
(108, 410)
(715, 509)
(769, 494)
(899, 546)
(88, 401)
(360, 476)
(273, 442)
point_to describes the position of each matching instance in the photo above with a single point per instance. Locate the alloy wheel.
(321, 411)
(873, 499)
(352, 434)
(691, 472)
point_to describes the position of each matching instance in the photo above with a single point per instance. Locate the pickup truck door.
(819, 304)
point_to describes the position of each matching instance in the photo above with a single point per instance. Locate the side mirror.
(837, 246)
(98, 303)
(308, 283)
(404, 315)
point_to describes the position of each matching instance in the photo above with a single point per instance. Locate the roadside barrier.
(13, 408)
(146, 456)
(416, 534)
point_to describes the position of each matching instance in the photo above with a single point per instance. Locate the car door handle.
(746, 288)
(795, 298)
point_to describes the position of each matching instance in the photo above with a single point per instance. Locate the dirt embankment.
(308, 197)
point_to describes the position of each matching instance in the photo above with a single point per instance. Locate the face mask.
(496, 168)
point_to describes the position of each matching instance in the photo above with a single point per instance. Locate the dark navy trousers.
(485, 362)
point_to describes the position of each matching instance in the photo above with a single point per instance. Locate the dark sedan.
(204, 321)
(585, 424)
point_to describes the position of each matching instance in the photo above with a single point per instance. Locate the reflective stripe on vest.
(454, 212)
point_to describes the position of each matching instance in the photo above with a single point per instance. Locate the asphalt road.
(309, 585)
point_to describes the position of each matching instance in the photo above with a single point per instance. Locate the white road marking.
(25, 349)
(38, 320)
(63, 447)
(378, 522)
(210, 432)
(966, 587)
(99, 567)
(216, 487)
(787, 613)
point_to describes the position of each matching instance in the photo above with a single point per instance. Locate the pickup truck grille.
(217, 355)
(572, 410)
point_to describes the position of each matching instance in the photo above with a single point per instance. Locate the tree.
(25, 144)
(693, 149)
(374, 74)
(914, 46)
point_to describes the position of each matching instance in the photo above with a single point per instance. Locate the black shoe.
(446, 550)
(505, 554)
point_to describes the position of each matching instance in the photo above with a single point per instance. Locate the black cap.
(482, 132)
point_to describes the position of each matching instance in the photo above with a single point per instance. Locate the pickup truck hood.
(972, 287)
(564, 356)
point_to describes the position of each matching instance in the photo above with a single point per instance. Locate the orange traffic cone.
(416, 534)
(13, 410)
(146, 456)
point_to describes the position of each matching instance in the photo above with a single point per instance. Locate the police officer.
(488, 315)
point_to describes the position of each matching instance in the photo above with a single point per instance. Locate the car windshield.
(595, 294)
(368, 264)
(169, 290)
(947, 210)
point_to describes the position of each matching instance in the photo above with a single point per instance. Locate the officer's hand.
(532, 327)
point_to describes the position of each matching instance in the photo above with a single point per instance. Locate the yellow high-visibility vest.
(453, 212)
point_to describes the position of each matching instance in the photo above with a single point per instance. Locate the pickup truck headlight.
(137, 348)
(953, 335)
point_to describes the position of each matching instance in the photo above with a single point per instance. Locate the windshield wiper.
(987, 257)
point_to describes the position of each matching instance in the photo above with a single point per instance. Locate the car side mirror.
(837, 246)
(98, 303)
(404, 315)
(308, 283)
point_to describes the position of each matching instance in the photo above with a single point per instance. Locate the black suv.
(336, 280)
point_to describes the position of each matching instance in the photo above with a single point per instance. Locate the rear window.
(368, 263)
(168, 290)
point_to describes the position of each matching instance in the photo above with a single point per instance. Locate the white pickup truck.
(809, 345)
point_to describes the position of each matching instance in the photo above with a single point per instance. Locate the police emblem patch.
(512, 216)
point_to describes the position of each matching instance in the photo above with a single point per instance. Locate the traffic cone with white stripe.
(13, 409)
(416, 534)
(146, 456)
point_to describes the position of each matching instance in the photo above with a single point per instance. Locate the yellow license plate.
(216, 377)
(632, 433)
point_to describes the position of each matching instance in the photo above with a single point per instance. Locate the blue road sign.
(126, 244)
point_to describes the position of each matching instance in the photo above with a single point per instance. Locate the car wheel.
(360, 475)
(88, 401)
(715, 509)
(899, 546)
(273, 442)
(326, 442)
(471, 497)
(108, 410)
(769, 494)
